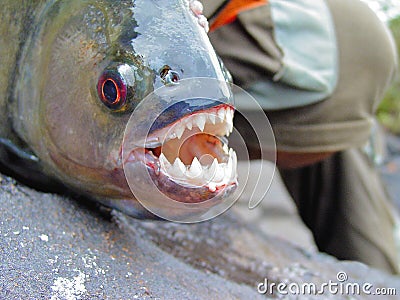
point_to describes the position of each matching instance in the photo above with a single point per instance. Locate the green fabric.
(366, 67)
(304, 32)
(298, 57)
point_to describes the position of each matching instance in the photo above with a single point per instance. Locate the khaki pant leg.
(341, 199)
(344, 203)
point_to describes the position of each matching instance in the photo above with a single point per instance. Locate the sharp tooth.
(189, 123)
(229, 121)
(225, 148)
(229, 114)
(179, 129)
(221, 115)
(212, 187)
(178, 169)
(195, 169)
(211, 117)
(165, 164)
(230, 126)
(210, 171)
(200, 121)
(234, 160)
(229, 167)
(219, 173)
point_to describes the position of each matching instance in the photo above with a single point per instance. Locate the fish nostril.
(168, 76)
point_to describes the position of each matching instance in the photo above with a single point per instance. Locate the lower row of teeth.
(212, 176)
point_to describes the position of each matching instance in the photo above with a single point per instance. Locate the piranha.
(72, 73)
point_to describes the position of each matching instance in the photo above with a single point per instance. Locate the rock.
(54, 247)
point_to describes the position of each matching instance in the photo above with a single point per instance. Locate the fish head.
(89, 65)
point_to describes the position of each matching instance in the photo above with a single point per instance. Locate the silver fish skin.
(60, 125)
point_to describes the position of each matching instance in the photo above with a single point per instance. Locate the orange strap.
(232, 9)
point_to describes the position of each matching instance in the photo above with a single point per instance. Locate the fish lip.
(154, 135)
(184, 108)
(179, 190)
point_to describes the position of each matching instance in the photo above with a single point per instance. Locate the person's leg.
(344, 203)
(340, 199)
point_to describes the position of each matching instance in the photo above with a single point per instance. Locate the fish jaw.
(188, 160)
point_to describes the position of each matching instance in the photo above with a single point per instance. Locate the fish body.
(73, 72)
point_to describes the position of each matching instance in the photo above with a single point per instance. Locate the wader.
(341, 199)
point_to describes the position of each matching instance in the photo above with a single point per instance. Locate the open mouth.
(189, 160)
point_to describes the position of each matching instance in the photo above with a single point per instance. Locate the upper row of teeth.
(212, 175)
(200, 120)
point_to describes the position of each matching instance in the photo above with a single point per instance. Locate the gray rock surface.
(53, 247)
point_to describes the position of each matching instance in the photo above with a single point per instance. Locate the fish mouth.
(189, 160)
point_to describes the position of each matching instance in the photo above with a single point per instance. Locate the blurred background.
(389, 110)
(386, 9)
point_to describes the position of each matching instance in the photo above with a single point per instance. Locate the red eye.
(111, 89)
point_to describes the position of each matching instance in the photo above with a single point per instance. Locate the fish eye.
(112, 90)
